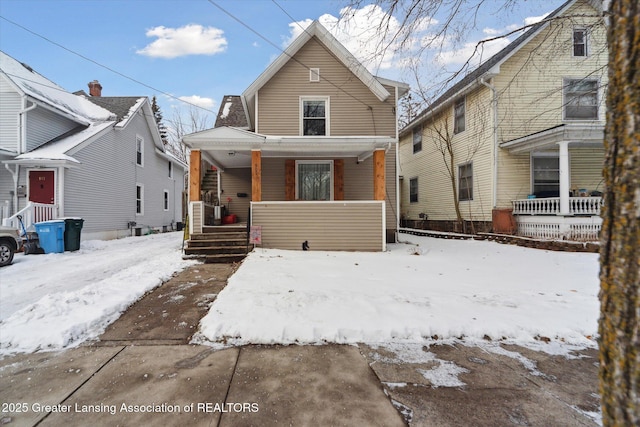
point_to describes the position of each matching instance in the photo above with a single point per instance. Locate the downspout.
(494, 101)
(22, 125)
(397, 171)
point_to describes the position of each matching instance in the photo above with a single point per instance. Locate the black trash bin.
(72, 230)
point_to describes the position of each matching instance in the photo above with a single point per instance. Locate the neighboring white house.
(73, 155)
(525, 131)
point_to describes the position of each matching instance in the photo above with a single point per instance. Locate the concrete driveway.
(143, 371)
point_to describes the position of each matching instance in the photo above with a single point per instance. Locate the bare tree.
(620, 240)
(183, 122)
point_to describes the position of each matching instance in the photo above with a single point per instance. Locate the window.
(417, 139)
(170, 169)
(458, 117)
(314, 180)
(579, 42)
(465, 182)
(581, 99)
(546, 175)
(315, 116)
(165, 202)
(314, 74)
(139, 199)
(139, 150)
(413, 190)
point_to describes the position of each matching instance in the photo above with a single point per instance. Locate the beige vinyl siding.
(530, 82)
(232, 182)
(474, 144)
(358, 181)
(349, 103)
(330, 226)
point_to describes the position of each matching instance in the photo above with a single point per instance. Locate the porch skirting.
(550, 227)
(325, 225)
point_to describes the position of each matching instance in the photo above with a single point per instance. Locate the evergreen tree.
(157, 115)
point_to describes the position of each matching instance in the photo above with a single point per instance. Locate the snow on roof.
(44, 90)
(57, 150)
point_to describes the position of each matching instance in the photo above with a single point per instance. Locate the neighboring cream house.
(315, 159)
(526, 135)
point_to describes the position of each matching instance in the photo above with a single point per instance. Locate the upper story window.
(170, 169)
(417, 139)
(314, 74)
(315, 116)
(139, 151)
(458, 115)
(579, 42)
(581, 99)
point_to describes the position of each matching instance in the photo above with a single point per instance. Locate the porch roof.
(228, 147)
(576, 134)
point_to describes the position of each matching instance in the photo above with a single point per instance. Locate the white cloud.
(358, 30)
(530, 20)
(192, 39)
(468, 53)
(199, 101)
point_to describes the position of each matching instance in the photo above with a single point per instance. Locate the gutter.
(494, 102)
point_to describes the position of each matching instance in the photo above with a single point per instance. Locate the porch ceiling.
(576, 134)
(231, 147)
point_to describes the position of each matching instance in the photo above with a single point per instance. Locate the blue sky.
(190, 49)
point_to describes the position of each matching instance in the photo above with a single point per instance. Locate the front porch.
(564, 202)
(333, 192)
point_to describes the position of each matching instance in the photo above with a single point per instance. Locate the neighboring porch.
(565, 200)
(330, 191)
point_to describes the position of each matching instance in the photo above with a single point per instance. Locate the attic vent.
(27, 66)
(314, 74)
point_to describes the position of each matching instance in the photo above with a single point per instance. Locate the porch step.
(216, 250)
(201, 243)
(218, 244)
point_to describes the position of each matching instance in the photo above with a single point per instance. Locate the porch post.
(564, 178)
(194, 175)
(379, 187)
(256, 176)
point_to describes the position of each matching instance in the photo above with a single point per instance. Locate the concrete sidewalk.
(144, 372)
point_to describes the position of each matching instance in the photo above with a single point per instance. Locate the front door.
(41, 187)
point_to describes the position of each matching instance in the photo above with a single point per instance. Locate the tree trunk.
(619, 326)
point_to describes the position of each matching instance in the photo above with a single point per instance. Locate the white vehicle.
(10, 242)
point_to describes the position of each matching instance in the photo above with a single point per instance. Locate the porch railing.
(32, 213)
(551, 206)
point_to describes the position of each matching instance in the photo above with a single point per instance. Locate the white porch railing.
(551, 206)
(32, 213)
(555, 227)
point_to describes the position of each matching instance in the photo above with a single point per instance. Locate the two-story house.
(316, 161)
(72, 155)
(518, 142)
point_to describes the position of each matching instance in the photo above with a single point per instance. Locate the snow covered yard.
(54, 301)
(429, 289)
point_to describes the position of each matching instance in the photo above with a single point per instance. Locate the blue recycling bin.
(51, 235)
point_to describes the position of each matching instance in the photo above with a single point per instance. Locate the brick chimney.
(95, 88)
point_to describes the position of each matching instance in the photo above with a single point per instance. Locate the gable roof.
(232, 113)
(42, 90)
(490, 66)
(119, 105)
(317, 30)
